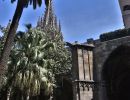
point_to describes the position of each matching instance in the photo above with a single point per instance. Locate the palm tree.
(27, 67)
(21, 4)
(34, 61)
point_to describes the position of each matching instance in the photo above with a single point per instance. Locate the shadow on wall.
(65, 92)
(116, 74)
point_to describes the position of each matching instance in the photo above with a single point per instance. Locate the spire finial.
(49, 20)
(59, 26)
(38, 22)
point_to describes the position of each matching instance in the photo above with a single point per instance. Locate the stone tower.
(125, 10)
(48, 22)
(82, 71)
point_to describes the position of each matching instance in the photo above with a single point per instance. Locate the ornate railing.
(89, 84)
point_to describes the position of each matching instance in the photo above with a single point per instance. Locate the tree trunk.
(27, 98)
(10, 37)
(8, 93)
(28, 95)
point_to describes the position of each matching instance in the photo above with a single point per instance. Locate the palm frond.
(39, 2)
(34, 4)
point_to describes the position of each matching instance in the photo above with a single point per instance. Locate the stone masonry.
(101, 53)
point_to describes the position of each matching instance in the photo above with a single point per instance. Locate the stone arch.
(116, 74)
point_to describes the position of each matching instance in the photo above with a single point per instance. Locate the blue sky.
(80, 19)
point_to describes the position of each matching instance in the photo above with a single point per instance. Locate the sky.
(80, 19)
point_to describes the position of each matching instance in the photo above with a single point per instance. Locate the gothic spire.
(59, 30)
(59, 26)
(49, 20)
(39, 21)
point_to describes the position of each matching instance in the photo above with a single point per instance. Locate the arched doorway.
(116, 74)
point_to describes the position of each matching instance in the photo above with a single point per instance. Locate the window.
(126, 7)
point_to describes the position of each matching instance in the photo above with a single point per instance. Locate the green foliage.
(115, 34)
(3, 38)
(27, 63)
(35, 60)
(25, 3)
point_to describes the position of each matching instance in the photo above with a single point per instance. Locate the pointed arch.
(116, 73)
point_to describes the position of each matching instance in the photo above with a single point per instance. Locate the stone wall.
(101, 53)
(82, 71)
